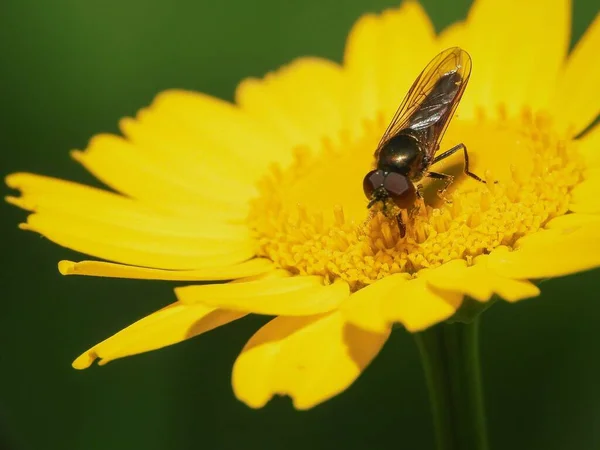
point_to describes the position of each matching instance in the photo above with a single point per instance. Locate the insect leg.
(448, 179)
(401, 225)
(419, 191)
(447, 153)
(467, 171)
(466, 168)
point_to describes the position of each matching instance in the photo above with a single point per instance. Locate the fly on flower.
(409, 145)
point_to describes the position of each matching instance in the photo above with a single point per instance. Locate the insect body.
(409, 145)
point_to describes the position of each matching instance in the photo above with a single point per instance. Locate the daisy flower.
(265, 197)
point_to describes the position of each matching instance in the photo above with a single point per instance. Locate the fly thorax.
(401, 154)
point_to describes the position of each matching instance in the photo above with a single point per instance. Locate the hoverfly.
(409, 145)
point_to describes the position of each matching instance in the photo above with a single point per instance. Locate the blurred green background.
(70, 69)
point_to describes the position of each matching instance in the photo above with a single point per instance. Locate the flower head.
(267, 192)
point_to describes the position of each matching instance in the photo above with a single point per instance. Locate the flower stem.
(450, 357)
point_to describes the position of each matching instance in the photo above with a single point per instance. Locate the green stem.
(450, 357)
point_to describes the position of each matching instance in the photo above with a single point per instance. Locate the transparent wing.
(431, 101)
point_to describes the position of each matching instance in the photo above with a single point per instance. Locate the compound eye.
(372, 181)
(400, 189)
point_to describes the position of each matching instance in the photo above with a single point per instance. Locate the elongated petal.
(218, 128)
(361, 61)
(550, 253)
(163, 140)
(170, 141)
(486, 18)
(574, 220)
(364, 307)
(311, 359)
(585, 198)
(457, 35)
(275, 286)
(52, 196)
(520, 65)
(574, 105)
(541, 27)
(245, 269)
(379, 75)
(290, 99)
(170, 325)
(409, 23)
(135, 248)
(414, 303)
(480, 283)
(589, 147)
(293, 296)
(127, 169)
(417, 305)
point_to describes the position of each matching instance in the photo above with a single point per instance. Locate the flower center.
(311, 218)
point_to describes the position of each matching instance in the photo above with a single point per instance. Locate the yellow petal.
(379, 75)
(140, 249)
(127, 169)
(361, 58)
(409, 23)
(364, 307)
(589, 147)
(550, 253)
(454, 35)
(573, 220)
(585, 198)
(271, 286)
(170, 325)
(575, 105)
(166, 141)
(291, 296)
(311, 359)
(414, 303)
(486, 18)
(217, 128)
(457, 35)
(52, 196)
(480, 283)
(245, 269)
(290, 100)
(520, 64)
(417, 305)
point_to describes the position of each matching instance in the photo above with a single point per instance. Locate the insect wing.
(431, 101)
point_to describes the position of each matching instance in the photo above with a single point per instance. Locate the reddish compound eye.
(400, 189)
(373, 181)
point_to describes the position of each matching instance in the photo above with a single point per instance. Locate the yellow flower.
(267, 192)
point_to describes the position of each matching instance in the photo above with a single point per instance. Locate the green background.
(70, 69)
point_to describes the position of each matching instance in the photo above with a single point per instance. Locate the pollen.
(312, 219)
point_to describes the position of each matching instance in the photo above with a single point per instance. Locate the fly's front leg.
(419, 205)
(448, 179)
(419, 191)
(401, 225)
